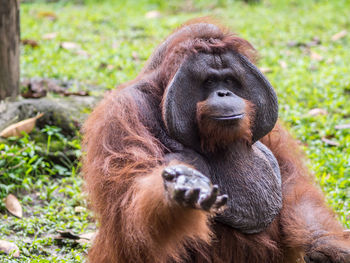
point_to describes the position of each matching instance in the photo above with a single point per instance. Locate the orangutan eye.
(209, 81)
(232, 82)
(228, 81)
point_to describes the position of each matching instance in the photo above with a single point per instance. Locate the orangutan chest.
(253, 183)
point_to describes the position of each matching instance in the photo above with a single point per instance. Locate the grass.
(117, 38)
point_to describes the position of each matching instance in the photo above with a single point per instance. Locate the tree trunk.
(9, 48)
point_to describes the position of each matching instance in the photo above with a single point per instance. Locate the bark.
(9, 48)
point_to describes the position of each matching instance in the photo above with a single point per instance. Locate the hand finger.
(182, 169)
(318, 257)
(192, 196)
(220, 201)
(307, 259)
(207, 203)
(168, 175)
(179, 194)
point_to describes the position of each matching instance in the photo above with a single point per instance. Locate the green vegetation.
(294, 38)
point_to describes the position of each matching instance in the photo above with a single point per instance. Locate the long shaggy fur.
(122, 170)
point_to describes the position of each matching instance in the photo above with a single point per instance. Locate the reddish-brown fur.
(137, 223)
(208, 129)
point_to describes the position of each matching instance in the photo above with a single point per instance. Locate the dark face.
(220, 87)
(216, 99)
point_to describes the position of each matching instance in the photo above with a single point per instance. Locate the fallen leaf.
(82, 238)
(313, 68)
(103, 65)
(265, 70)
(13, 206)
(47, 14)
(86, 238)
(314, 42)
(79, 209)
(49, 36)
(33, 89)
(67, 234)
(107, 66)
(283, 64)
(76, 93)
(69, 45)
(135, 56)
(9, 248)
(342, 127)
(339, 35)
(115, 45)
(293, 43)
(110, 67)
(19, 127)
(330, 142)
(30, 42)
(315, 56)
(152, 14)
(317, 111)
(83, 53)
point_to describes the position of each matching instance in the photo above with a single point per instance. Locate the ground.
(301, 53)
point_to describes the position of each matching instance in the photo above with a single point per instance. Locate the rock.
(68, 113)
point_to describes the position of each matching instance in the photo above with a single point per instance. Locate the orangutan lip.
(231, 117)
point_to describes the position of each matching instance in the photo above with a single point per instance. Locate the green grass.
(118, 39)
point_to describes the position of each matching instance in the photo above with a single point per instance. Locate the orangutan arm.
(144, 204)
(307, 223)
(312, 226)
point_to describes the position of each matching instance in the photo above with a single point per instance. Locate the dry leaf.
(29, 42)
(34, 89)
(19, 127)
(9, 248)
(82, 238)
(294, 43)
(67, 234)
(339, 35)
(153, 14)
(313, 67)
(265, 70)
(103, 65)
(47, 14)
(13, 206)
(69, 45)
(314, 42)
(283, 64)
(342, 127)
(317, 111)
(330, 142)
(49, 36)
(79, 209)
(83, 53)
(107, 66)
(115, 45)
(110, 67)
(330, 61)
(315, 56)
(135, 56)
(76, 93)
(86, 238)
